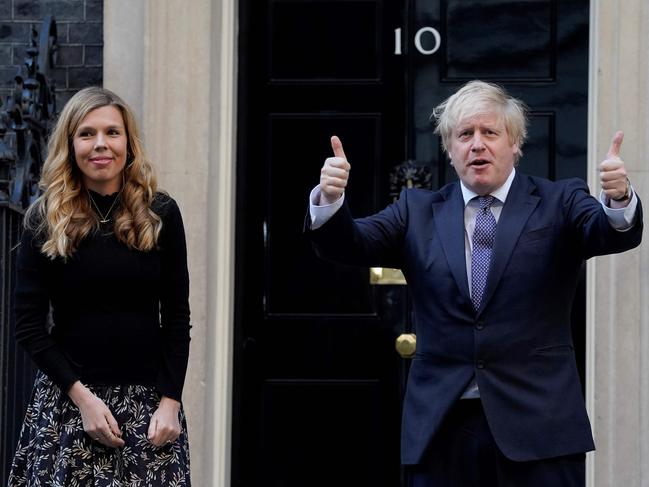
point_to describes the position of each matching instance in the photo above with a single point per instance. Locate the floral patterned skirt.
(53, 449)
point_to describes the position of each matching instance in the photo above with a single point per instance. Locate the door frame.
(596, 52)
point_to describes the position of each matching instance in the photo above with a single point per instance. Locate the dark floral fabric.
(54, 451)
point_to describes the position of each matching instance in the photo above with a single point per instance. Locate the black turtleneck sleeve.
(31, 307)
(174, 303)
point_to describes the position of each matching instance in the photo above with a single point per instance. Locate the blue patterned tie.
(483, 243)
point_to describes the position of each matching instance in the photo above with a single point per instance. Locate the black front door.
(318, 384)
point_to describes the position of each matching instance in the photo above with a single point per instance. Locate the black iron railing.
(25, 119)
(17, 371)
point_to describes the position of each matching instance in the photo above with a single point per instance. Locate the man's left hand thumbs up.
(613, 177)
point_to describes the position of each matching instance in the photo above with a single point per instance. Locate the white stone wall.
(618, 296)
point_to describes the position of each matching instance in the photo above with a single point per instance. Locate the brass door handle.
(406, 345)
(383, 276)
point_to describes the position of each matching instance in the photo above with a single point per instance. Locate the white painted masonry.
(618, 286)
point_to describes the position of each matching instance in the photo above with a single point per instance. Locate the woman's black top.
(120, 316)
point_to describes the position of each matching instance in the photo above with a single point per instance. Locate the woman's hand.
(98, 421)
(165, 425)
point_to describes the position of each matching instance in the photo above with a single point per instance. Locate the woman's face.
(100, 148)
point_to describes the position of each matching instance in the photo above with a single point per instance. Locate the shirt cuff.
(320, 214)
(621, 219)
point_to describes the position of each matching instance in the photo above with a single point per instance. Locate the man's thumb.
(337, 147)
(616, 143)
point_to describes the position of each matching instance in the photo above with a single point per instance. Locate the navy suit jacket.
(518, 345)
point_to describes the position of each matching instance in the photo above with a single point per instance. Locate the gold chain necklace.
(104, 218)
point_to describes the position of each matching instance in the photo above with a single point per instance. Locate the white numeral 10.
(418, 45)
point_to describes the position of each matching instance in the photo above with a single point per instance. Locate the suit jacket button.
(480, 364)
(479, 325)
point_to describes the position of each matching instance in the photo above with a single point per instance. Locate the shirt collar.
(500, 194)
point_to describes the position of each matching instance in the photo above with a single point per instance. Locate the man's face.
(481, 152)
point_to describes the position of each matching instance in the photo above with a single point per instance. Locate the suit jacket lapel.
(517, 209)
(448, 215)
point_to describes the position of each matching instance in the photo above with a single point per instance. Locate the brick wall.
(80, 39)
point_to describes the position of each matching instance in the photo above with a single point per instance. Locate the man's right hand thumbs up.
(334, 174)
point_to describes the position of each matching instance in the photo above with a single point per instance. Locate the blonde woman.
(105, 251)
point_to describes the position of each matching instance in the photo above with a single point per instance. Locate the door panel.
(318, 385)
(296, 285)
(306, 40)
(289, 427)
(509, 40)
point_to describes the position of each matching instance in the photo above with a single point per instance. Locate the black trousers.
(465, 454)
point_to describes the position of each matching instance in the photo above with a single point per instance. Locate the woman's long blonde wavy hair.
(62, 215)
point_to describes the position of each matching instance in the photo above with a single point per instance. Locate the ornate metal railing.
(28, 115)
(25, 120)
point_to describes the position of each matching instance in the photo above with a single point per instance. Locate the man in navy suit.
(492, 262)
